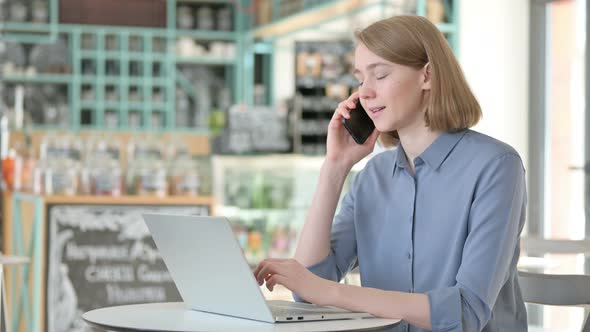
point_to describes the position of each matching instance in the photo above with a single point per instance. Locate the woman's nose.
(366, 92)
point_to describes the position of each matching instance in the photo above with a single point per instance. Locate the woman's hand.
(294, 276)
(341, 147)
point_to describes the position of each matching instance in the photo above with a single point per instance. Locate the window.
(558, 141)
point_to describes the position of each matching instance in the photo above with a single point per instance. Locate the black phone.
(360, 126)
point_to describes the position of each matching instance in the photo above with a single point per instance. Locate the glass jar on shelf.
(50, 147)
(60, 178)
(18, 11)
(176, 150)
(40, 11)
(223, 19)
(205, 18)
(184, 18)
(102, 173)
(184, 178)
(145, 148)
(131, 175)
(106, 179)
(205, 170)
(85, 179)
(151, 179)
(24, 166)
(71, 147)
(38, 185)
(102, 147)
(8, 164)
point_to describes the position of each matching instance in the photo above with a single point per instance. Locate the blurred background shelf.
(102, 49)
(205, 61)
(37, 78)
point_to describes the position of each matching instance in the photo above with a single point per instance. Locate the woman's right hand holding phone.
(341, 147)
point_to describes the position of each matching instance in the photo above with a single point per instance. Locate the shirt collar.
(400, 159)
(436, 153)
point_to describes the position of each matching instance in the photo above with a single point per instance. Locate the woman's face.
(393, 95)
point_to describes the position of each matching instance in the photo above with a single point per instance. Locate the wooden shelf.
(115, 200)
(196, 139)
(127, 200)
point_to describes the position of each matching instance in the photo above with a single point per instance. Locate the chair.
(556, 289)
(5, 321)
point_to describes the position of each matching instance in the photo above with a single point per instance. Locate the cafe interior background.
(110, 108)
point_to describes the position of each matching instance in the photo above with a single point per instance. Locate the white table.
(535, 263)
(175, 317)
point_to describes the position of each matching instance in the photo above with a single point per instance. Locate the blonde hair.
(414, 41)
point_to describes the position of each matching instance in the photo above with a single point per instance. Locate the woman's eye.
(381, 77)
(360, 83)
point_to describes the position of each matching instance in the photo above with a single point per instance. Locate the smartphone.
(359, 126)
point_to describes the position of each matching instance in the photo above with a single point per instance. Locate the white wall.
(493, 50)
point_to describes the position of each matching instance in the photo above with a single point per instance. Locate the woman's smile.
(374, 112)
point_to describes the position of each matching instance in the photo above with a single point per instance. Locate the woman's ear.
(426, 76)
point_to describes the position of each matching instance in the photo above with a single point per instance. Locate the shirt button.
(409, 255)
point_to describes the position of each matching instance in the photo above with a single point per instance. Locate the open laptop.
(212, 275)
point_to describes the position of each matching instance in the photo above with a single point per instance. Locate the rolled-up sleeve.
(496, 218)
(343, 252)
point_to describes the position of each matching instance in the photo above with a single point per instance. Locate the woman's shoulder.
(378, 164)
(382, 158)
(479, 145)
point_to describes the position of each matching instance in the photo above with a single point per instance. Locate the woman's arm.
(342, 153)
(413, 308)
(314, 241)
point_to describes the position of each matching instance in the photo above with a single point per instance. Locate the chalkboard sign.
(101, 256)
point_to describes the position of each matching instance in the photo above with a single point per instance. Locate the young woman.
(432, 225)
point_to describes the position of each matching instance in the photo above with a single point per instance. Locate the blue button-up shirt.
(451, 231)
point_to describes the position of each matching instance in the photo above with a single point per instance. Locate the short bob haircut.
(414, 41)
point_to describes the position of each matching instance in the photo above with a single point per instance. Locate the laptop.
(207, 265)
